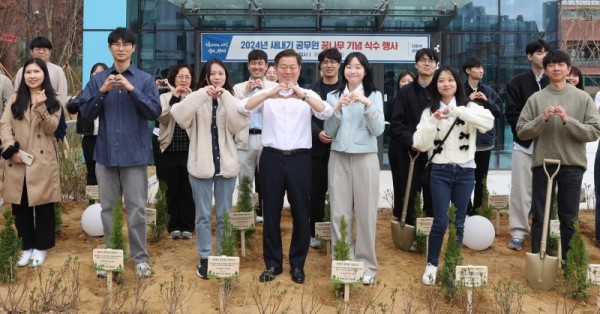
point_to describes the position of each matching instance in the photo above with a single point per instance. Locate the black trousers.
(180, 203)
(35, 230)
(318, 190)
(482, 159)
(88, 142)
(399, 164)
(278, 174)
(568, 180)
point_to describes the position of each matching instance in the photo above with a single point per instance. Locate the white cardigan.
(458, 149)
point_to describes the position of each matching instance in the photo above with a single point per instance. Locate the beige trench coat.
(35, 134)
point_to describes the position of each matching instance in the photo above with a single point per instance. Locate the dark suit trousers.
(88, 142)
(400, 163)
(278, 174)
(318, 191)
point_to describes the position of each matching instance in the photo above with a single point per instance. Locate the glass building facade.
(496, 31)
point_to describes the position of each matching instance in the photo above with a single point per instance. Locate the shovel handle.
(548, 201)
(411, 169)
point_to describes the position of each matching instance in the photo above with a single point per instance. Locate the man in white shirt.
(249, 141)
(285, 162)
(41, 47)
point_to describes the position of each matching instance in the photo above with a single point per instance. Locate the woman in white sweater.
(453, 166)
(211, 119)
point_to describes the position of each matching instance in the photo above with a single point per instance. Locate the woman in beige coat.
(31, 177)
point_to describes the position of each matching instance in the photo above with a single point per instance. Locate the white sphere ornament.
(479, 233)
(91, 221)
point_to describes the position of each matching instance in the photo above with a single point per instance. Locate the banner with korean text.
(377, 48)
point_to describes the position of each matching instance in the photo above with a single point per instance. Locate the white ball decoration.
(91, 221)
(479, 233)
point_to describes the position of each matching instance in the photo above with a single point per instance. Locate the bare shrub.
(175, 293)
(508, 297)
(14, 297)
(57, 290)
(271, 298)
(138, 304)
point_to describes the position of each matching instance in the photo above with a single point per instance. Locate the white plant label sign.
(108, 260)
(323, 230)
(242, 220)
(472, 276)
(347, 272)
(223, 266)
(593, 274)
(150, 216)
(498, 201)
(424, 225)
(92, 192)
(555, 227)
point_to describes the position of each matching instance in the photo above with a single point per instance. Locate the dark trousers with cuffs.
(318, 190)
(35, 225)
(482, 159)
(88, 142)
(180, 203)
(280, 173)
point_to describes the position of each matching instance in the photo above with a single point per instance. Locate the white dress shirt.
(287, 121)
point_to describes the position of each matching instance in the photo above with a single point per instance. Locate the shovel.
(403, 235)
(541, 269)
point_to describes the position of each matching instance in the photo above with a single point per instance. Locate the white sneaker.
(429, 275)
(315, 243)
(143, 270)
(38, 257)
(367, 280)
(259, 219)
(25, 257)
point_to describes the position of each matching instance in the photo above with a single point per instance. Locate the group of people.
(298, 141)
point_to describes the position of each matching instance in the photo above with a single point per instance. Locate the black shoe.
(269, 274)
(297, 275)
(202, 270)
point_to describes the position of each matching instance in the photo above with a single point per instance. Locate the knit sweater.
(194, 114)
(459, 147)
(553, 139)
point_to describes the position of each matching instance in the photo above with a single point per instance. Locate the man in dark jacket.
(486, 97)
(406, 114)
(329, 64)
(518, 90)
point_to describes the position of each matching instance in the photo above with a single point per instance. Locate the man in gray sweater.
(560, 119)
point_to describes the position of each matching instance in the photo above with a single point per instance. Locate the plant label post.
(500, 203)
(555, 231)
(150, 216)
(424, 227)
(92, 192)
(471, 277)
(223, 267)
(242, 221)
(593, 277)
(323, 233)
(347, 273)
(110, 261)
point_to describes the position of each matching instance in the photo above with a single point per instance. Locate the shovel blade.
(403, 236)
(541, 272)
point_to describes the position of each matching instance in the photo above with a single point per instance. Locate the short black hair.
(288, 53)
(430, 53)
(556, 56)
(258, 54)
(331, 54)
(471, 63)
(125, 35)
(40, 42)
(536, 45)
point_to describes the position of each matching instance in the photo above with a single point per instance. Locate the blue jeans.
(448, 182)
(202, 190)
(597, 188)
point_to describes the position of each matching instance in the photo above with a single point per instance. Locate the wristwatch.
(305, 98)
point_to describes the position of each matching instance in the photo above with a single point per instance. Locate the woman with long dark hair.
(575, 77)
(353, 165)
(452, 176)
(174, 146)
(211, 119)
(31, 176)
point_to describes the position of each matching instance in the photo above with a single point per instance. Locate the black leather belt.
(287, 152)
(255, 131)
